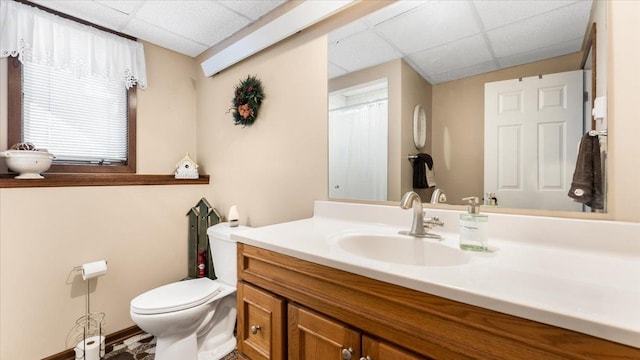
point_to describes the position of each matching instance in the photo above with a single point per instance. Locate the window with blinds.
(81, 121)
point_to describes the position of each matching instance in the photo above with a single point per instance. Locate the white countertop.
(582, 288)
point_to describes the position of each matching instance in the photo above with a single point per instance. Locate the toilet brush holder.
(92, 346)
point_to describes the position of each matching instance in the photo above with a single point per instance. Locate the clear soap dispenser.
(473, 227)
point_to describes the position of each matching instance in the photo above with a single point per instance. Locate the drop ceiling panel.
(191, 19)
(334, 70)
(164, 38)
(430, 25)
(91, 11)
(252, 9)
(458, 54)
(541, 31)
(564, 48)
(125, 7)
(496, 13)
(348, 52)
(391, 11)
(463, 72)
(347, 30)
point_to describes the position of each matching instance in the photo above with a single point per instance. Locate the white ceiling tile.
(459, 54)
(164, 38)
(347, 30)
(464, 72)
(192, 19)
(335, 70)
(126, 7)
(90, 11)
(391, 11)
(430, 25)
(252, 9)
(350, 52)
(558, 26)
(496, 13)
(540, 54)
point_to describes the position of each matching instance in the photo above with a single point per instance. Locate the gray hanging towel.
(420, 164)
(586, 186)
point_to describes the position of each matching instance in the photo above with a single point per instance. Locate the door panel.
(374, 349)
(315, 337)
(533, 127)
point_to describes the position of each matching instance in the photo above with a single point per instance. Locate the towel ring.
(419, 127)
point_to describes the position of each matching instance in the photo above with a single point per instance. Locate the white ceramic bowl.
(27, 163)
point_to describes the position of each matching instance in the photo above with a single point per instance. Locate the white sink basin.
(402, 250)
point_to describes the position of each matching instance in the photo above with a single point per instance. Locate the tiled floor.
(142, 347)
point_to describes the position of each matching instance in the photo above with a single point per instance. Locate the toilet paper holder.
(92, 346)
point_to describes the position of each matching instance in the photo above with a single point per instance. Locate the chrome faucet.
(438, 196)
(419, 225)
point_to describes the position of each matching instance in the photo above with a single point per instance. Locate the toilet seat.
(177, 296)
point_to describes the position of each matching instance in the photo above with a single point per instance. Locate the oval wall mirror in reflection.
(442, 54)
(419, 127)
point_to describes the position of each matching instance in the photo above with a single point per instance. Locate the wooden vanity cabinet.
(261, 324)
(330, 310)
(373, 349)
(315, 337)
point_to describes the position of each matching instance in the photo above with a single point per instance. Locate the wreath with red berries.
(247, 99)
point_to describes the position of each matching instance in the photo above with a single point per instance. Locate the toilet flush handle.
(255, 329)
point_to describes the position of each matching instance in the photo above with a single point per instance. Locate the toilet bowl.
(194, 319)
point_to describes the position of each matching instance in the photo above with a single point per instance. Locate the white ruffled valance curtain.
(37, 36)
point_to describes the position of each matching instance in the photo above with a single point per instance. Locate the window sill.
(67, 180)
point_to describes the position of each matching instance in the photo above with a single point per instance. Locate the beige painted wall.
(140, 230)
(458, 125)
(274, 169)
(415, 90)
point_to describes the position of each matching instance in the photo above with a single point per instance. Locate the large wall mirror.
(460, 61)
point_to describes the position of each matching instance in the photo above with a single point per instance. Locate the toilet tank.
(224, 252)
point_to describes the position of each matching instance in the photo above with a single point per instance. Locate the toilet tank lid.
(176, 296)
(223, 230)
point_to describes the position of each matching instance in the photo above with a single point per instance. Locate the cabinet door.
(373, 349)
(261, 324)
(315, 337)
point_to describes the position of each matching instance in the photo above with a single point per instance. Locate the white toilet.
(194, 319)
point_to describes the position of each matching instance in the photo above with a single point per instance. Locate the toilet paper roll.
(94, 269)
(91, 348)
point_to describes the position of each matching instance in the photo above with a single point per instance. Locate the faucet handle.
(433, 221)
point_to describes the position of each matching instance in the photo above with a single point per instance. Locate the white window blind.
(79, 121)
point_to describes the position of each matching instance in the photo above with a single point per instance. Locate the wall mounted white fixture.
(298, 18)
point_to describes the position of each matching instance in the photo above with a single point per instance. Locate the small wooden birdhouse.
(186, 168)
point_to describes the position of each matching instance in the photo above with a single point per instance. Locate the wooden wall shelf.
(67, 180)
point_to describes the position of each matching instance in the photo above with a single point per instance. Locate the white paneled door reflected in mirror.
(455, 48)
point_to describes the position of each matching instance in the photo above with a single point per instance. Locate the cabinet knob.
(255, 329)
(347, 353)
(365, 358)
